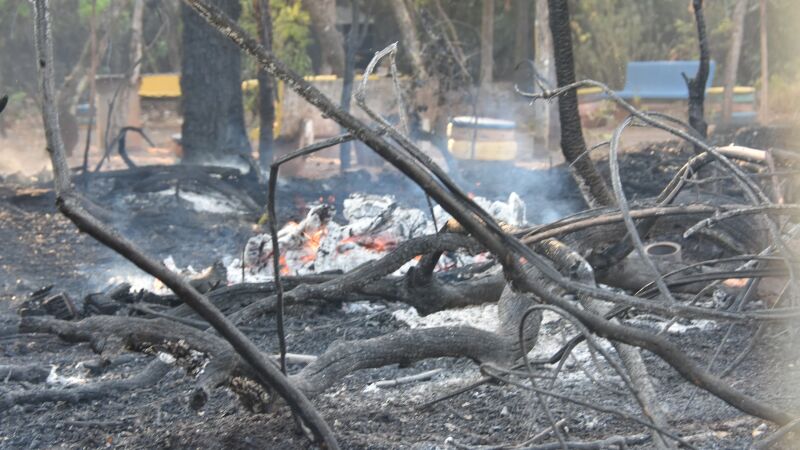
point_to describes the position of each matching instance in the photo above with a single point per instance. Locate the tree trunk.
(546, 113)
(732, 60)
(213, 115)
(452, 40)
(72, 86)
(136, 50)
(95, 62)
(522, 31)
(354, 40)
(592, 186)
(331, 42)
(410, 44)
(697, 85)
(131, 102)
(173, 37)
(266, 88)
(763, 109)
(487, 43)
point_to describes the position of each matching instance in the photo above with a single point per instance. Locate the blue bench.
(661, 80)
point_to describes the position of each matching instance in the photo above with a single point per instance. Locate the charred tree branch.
(71, 207)
(485, 230)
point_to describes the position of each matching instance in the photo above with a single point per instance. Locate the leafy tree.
(291, 34)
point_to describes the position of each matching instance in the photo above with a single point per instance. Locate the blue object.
(483, 122)
(83, 110)
(661, 80)
(744, 117)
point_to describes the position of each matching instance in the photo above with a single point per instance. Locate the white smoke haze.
(23, 149)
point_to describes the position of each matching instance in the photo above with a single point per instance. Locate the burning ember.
(299, 243)
(377, 243)
(375, 226)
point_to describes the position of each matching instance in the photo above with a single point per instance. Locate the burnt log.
(502, 347)
(149, 376)
(146, 334)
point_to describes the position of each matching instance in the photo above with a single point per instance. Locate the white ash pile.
(375, 226)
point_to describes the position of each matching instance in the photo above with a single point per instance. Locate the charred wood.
(149, 376)
(31, 373)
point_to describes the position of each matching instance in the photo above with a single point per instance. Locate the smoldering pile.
(375, 225)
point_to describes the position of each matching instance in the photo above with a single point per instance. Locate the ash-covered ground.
(42, 248)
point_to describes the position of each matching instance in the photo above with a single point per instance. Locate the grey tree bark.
(355, 37)
(213, 114)
(523, 39)
(763, 110)
(266, 89)
(546, 113)
(410, 44)
(732, 60)
(331, 42)
(487, 43)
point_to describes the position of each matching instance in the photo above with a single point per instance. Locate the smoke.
(23, 149)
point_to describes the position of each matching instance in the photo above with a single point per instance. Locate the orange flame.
(375, 243)
(312, 244)
(380, 244)
(284, 268)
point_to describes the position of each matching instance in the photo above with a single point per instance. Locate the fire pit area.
(377, 248)
(426, 260)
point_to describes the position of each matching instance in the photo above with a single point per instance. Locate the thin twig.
(422, 376)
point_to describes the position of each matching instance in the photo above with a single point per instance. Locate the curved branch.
(149, 376)
(70, 205)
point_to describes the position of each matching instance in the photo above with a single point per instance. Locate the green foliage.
(609, 33)
(23, 9)
(606, 33)
(85, 8)
(291, 34)
(784, 95)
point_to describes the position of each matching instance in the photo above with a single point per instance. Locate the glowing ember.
(284, 267)
(376, 243)
(312, 244)
(376, 226)
(735, 282)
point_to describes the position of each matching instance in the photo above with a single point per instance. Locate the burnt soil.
(42, 248)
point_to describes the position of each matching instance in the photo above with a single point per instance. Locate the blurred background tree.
(607, 34)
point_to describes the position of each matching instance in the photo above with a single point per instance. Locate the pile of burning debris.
(375, 226)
